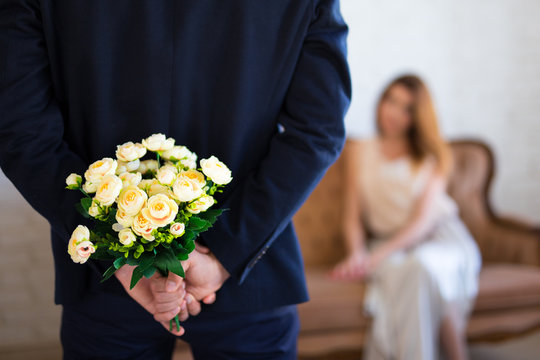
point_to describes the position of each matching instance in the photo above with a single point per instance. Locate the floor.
(29, 320)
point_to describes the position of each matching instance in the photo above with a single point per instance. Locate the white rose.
(123, 219)
(129, 178)
(108, 190)
(160, 210)
(79, 247)
(99, 169)
(126, 237)
(128, 166)
(166, 175)
(131, 200)
(185, 189)
(201, 204)
(148, 165)
(143, 227)
(193, 175)
(90, 187)
(190, 162)
(177, 153)
(93, 210)
(177, 229)
(74, 180)
(158, 142)
(129, 151)
(216, 170)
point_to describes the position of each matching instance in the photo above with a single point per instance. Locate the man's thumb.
(173, 282)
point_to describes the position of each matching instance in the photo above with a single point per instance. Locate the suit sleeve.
(311, 139)
(33, 154)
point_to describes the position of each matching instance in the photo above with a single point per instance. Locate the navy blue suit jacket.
(263, 85)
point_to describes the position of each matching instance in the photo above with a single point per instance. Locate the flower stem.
(176, 321)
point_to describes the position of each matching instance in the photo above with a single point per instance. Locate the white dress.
(410, 291)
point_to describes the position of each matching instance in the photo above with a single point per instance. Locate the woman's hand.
(353, 267)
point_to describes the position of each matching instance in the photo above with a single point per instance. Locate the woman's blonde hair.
(424, 135)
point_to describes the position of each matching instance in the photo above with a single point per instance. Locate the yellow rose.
(108, 190)
(129, 151)
(100, 169)
(129, 178)
(201, 204)
(74, 180)
(216, 170)
(195, 176)
(93, 210)
(123, 219)
(158, 142)
(185, 189)
(126, 237)
(80, 247)
(166, 175)
(177, 229)
(148, 165)
(131, 200)
(160, 210)
(143, 227)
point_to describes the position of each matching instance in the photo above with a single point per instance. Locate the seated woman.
(422, 264)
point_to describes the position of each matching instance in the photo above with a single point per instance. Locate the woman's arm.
(420, 223)
(353, 231)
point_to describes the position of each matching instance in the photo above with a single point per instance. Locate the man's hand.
(163, 297)
(204, 276)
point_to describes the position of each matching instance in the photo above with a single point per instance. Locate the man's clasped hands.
(165, 297)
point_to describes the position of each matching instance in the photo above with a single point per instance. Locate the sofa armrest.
(511, 241)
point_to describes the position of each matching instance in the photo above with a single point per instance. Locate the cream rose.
(160, 210)
(193, 175)
(123, 219)
(148, 165)
(190, 162)
(129, 151)
(217, 171)
(185, 189)
(143, 227)
(158, 142)
(99, 169)
(108, 190)
(93, 210)
(177, 153)
(80, 247)
(90, 187)
(201, 204)
(166, 175)
(126, 237)
(128, 166)
(74, 180)
(177, 229)
(131, 200)
(129, 178)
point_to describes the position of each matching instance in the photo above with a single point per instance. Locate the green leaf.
(118, 263)
(176, 267)
(86, 203)
(148, 273)
(135, 277)
(196, 223)
(108, 273)
(211, 215)
(81, 210)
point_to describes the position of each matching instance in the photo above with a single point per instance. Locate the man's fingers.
(209, 299)
(167, 315)
(193, 306)
(169, 284)
(202, 249)
(174, 331)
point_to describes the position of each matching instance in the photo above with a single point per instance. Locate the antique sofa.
(333, 325)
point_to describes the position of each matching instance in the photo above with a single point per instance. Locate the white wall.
(481, 60)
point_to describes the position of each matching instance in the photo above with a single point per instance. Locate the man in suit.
(263, 85)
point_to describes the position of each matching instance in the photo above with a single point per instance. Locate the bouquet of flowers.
(146, 213)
